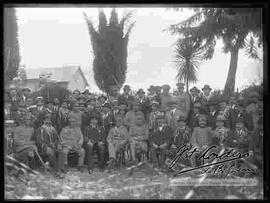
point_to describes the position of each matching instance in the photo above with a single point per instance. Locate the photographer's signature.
(225, 162)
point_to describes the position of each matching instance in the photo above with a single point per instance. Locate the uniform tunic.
(201, 136)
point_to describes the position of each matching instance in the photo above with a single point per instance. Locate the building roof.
(59, 74)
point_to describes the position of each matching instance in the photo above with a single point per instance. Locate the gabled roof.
(63, 74)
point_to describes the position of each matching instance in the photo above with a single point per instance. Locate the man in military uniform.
(95, 138)
(49, 144)
(24, 143)
(72, 139)
(108, 120)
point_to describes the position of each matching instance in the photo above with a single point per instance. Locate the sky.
(54, 37)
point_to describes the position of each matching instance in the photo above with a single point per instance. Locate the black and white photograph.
(131, 101)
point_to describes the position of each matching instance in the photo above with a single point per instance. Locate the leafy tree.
(188, 55)
(11, 44)
(110, 49)
(239, 28)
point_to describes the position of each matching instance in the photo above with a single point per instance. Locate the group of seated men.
(153, 126)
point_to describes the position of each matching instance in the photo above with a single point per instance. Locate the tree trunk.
(230, 82)
(187, 86)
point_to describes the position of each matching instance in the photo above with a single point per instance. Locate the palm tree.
(109, 43)
(188, 55)
(11, 44)
(239, 28)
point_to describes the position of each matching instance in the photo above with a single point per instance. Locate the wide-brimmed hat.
(166, 86)
(206, 87)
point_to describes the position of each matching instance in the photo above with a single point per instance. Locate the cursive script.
(208, 154)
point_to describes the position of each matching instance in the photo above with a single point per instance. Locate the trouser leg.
(81, 156)
(112, 150)
(153, 154)
(65, 156)
(101, 154)
(90, 156)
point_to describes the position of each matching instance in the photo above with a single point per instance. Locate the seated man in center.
(118, 138)
(95, 137)
(72, 138)
(160, 141)
(139, 133)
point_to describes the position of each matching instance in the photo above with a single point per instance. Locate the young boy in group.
(95, 138)
(153, 114)
(220, 133)
(160, 140)
(117, 139)
(139, 133)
